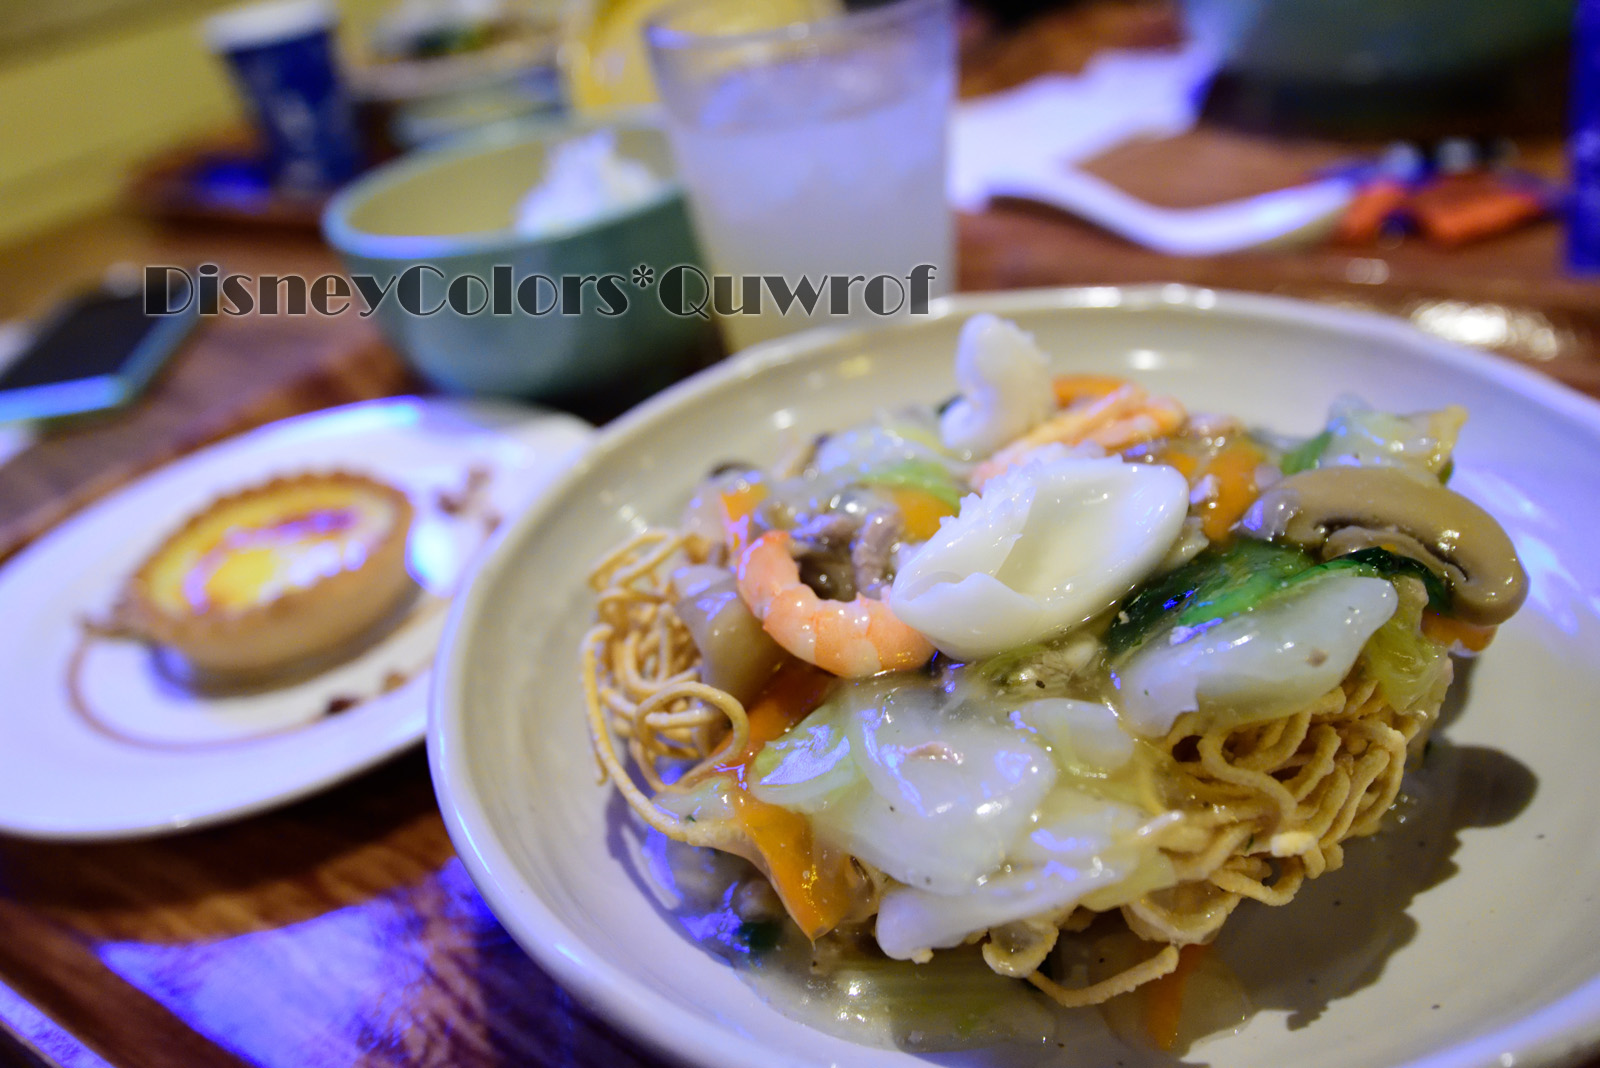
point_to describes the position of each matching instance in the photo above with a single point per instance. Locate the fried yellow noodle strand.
(1279, 800)
(641, 673)
(1124, 981)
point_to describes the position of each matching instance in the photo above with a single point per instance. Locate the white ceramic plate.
(1464, 936)
(140, 754)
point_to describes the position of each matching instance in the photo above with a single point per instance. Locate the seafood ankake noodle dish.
(964, 682)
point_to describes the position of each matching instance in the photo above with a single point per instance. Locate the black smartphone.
(97, 351)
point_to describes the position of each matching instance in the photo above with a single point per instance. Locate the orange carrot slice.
(816, 885)
(792, 695)
(1450, 632)
(1234, 469)
(920, 512)
(1163, 998)
(737, 506)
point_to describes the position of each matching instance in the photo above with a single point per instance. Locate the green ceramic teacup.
(450, 210)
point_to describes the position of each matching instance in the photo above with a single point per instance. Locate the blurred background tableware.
(455, 209)
(603, 62)
(423, 72)
(1386, 68)
(811, 139)
(432, 69)
(1284, 218)
(283, 58)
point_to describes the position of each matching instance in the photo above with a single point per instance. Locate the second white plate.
(138, 754)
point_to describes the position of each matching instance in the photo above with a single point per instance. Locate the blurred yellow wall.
(76, 113)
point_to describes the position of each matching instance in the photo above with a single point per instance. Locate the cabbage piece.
(1219, 584)
(931, 478)
(984, 809)
(1392, 566)
(1304, 456)
(1083, 734)
(904, 443)
(1079, 845)
(1264, 663)
(1362, 436)
(916, 783)
(808, 765)
(960, 1003)
(947, 793)
(1216, 583)
(877, 446)
(1412, 670)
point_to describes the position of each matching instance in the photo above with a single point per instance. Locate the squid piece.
(1005, 384)
(1044, 548)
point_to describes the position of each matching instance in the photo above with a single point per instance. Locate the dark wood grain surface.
(339, 931)
(231, 375)
(343, 930)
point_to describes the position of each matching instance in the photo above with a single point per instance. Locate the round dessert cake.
(276, 576)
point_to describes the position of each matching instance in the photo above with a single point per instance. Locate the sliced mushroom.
(872, 551)
(1354, 539)
(1340, 509)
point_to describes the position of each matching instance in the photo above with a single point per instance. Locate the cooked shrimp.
(1159, 417)
(1070, 389)
(1121, 418)
(849, 638)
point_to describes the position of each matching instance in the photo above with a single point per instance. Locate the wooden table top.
(343, 930)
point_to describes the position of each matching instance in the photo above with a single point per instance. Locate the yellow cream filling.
(250, 552)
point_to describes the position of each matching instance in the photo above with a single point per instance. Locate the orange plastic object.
(1461, 208)
(1363, 220)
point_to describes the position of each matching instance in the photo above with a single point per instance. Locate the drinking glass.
(811, 140)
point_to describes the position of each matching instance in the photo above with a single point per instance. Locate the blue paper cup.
(283, 60)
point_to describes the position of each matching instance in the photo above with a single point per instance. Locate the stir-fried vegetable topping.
(1359, 436)
(1304, 457)
(1411, 669)
(1212, 585)
(926, 476)
(1221, 584)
